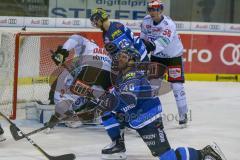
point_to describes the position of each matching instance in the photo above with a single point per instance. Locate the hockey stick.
(15, 131)
(61, 157)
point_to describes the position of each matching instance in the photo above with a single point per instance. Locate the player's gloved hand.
(107, 102)
(60, 55)
(111, 48)
(150, 46)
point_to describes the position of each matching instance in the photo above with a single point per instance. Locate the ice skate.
(115, 151)
(183, 121)
(212, 152)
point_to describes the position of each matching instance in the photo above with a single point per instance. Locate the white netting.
(34, 67)
(6, 72)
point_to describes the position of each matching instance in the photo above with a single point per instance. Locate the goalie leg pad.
(62, 107)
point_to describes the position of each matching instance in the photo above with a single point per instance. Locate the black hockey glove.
(60, 55)
(111, 48)
(150, 46)
(107, 103)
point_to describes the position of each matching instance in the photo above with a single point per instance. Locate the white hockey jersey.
(164, 35)
(90, 52)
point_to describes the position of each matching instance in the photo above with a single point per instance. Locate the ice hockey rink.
(214, 117)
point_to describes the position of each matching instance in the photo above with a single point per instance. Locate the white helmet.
(155, 4)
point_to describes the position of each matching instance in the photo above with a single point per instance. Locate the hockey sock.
(112, 126)
(180, 97)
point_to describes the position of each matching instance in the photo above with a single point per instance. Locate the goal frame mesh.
(16, 53)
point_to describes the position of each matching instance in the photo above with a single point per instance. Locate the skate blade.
(115, 156)
(218, 150)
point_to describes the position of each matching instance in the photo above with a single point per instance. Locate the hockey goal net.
(25, 67)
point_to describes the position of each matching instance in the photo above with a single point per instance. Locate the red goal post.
(25, 67)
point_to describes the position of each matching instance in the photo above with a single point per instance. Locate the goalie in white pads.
(159, 33)
(133, 104)
(90, 65)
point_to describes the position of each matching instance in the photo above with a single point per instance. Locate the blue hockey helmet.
(132, 53)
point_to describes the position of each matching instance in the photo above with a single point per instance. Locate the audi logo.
(76, 22)
(45, 22)
(12, 21)
(179, 25)
(214, 27)
(235, 54)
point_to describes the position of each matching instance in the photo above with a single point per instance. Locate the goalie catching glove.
(60, 55)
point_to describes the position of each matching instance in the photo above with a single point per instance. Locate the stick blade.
(15, 132)
(70, 156)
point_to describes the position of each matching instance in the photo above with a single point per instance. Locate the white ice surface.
(215, 114)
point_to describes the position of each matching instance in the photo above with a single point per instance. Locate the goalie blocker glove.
(60, 55)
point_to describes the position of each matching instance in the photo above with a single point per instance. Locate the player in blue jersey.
(133, 104)
(115, 35)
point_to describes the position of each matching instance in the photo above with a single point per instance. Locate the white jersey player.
(2, 138)
(160, 31)
(89, 54)
(91, 65)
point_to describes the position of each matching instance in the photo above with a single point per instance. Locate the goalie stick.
(49, 157)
